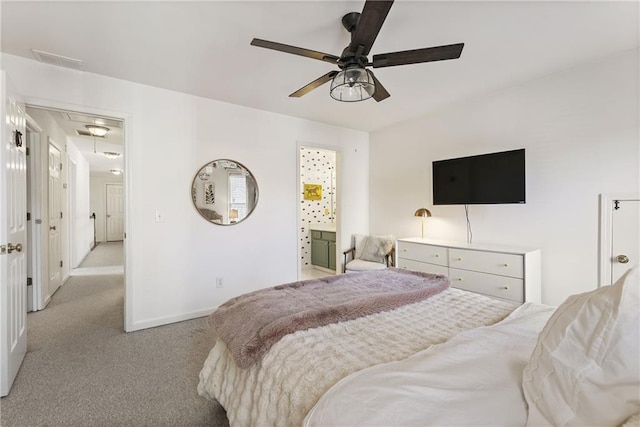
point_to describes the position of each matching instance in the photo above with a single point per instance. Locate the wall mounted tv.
(485, 179)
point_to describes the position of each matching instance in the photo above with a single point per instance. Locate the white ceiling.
(202, 48)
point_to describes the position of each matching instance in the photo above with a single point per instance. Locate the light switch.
(160, 216)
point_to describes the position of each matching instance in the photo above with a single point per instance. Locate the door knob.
(11, 247)
(53, 227)
(622, 259)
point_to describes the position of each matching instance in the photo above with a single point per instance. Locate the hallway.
(81, 369)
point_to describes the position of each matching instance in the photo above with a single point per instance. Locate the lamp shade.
(422, 212)
(352, 85)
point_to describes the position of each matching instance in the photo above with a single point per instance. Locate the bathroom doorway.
(318, 198)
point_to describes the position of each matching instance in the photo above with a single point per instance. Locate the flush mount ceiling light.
(96, 130)
(116, 171)
(111, 154)
(352, 85)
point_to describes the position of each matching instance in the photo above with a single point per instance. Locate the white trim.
(605, 243)
(127, 133)
(161, 321)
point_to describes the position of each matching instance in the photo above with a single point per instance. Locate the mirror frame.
(240, 166)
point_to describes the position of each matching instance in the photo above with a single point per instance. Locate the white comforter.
(474, 379)
(301, 367)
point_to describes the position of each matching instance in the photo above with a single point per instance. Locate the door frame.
(604, 252)
(127, 119)
(338, 200)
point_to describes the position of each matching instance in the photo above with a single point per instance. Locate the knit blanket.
(251, 323)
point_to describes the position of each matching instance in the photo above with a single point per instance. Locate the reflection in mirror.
(224, 192)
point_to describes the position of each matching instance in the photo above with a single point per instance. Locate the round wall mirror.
(224, 192)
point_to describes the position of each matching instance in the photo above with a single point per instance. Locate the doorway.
(67, 163)
(318, 202)
(619, 235)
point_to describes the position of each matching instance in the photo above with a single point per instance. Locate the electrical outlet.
(219, 283)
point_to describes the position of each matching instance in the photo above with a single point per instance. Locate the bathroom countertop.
(323, 227)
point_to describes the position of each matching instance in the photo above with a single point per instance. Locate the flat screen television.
(476, 180)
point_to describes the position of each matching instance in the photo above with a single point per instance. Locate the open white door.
(625, 233)
(55, 218)
(13, 235)
(619, 235)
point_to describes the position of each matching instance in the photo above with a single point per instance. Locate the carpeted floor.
(81, 369)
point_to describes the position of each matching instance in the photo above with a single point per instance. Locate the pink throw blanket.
(251, 323)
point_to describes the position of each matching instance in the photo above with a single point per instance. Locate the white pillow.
(585, 368)
(373, 248)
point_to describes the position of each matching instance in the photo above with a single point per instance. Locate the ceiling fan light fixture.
(352, 85)
(96, 130)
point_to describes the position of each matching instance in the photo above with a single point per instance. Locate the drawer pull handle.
(459, 259)
(505, 265)
(404, 250)
(437, 256)
(506, 288)
(459, 279)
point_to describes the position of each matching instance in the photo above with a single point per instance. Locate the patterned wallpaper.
(316, 167)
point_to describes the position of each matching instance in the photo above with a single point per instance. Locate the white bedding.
(473, 379)
(301, 367)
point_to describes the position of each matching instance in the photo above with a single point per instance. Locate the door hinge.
(60, 214)
(61, 263)
(27, 151)
(3, 249)
(29, 281)
(60, 166)
(28, 216)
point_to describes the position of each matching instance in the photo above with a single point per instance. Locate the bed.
(452, 358)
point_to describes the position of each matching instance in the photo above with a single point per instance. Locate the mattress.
(283, 387)
(474, 379)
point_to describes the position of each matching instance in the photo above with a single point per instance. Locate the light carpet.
(81, 369)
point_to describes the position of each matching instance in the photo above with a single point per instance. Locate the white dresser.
(507, 273)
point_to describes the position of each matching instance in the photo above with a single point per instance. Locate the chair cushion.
(362, 265)
(373, 248)
(584, 369)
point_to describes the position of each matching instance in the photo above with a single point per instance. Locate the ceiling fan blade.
(381, 93)
(314, 84)
(296, 50)
(371, 19)
(416, 56)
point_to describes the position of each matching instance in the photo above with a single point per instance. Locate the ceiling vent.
(59, 60)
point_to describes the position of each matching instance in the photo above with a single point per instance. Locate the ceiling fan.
(354, 82)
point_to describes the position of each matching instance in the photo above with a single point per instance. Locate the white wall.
(171, 266)
(98, 202)
(580, 131)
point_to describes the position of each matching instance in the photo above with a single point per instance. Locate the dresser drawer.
(487, 262)
(424, 253)
(424, 267)
(488, 284)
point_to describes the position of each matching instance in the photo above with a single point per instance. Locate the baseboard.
(161, 321)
